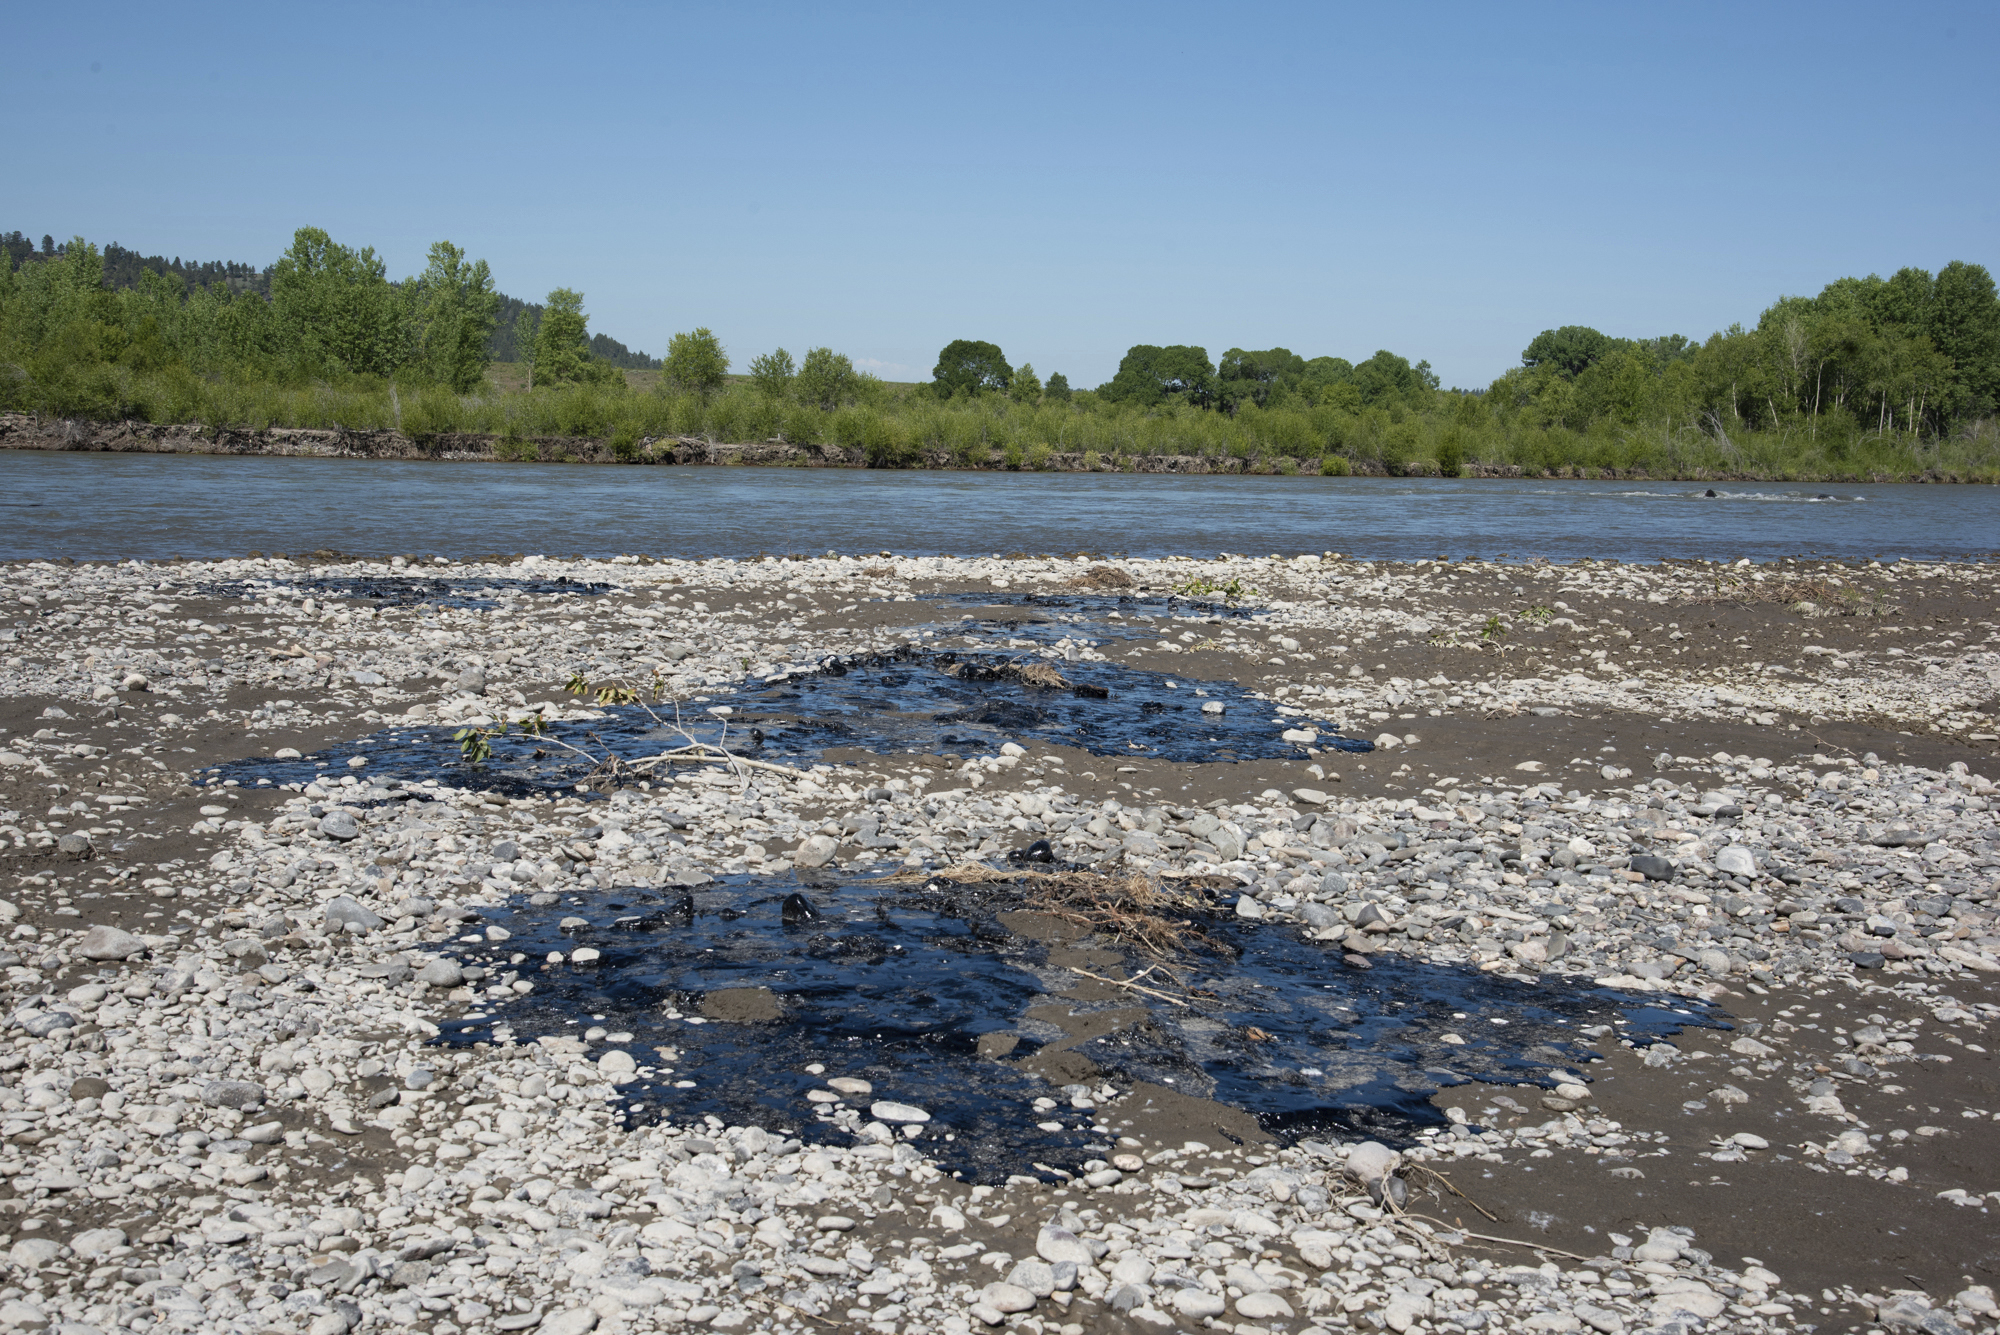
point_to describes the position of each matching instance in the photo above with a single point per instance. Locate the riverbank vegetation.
(1871, 378)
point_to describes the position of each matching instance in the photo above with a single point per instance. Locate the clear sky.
(1064, 180)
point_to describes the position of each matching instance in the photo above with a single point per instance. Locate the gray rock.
(1735, 860)
(94, 1243)
(1034, 1276)
(370, 679)
(1055, 1243)
(674, 653)
(109, 943)
(1126, 1297)
(343, 909)
(506, 851)
(41, 1024)
(1319, 916)
(1248, 907)
(441, 973)
(237, 1094)
(76, 847)
(409, 1274)
(1008, 1298)
(1652, 866)
(897, 1112)
(816, 851)
(1333, 885)
(339, 825)
(575, 1321)
(1371, 1161)
(472, 681)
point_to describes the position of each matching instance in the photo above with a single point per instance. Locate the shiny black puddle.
(402, 590)
(907, 701)
(898, 983)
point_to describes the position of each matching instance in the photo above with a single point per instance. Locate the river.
(126, 506)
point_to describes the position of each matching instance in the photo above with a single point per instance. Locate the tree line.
(1872, 377)
(124, 269)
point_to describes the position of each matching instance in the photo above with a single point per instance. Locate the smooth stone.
(1371, 1161)
(1310, 796)
(1008, 1298)
(237, 1094)
(1132, 1268)
(344, 909)
(1652, 867)
(1198, 1303)
(1247, 907)
(339, 825)
(816, 851)
(1735, 860)
(74, 846)
(575, 1321)
(1262, 1306)
(897, 1112)
(109, 943)
(1034, 1276)
(96, 1242)
(33, 1253)
(441, 973)
(852, 1085)
(1056, 1243)
(1318, 916)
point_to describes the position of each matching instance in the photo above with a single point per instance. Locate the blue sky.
(1064, 180)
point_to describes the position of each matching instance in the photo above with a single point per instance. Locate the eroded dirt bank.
(20, 431)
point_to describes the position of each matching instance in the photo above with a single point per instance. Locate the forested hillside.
(122, 270)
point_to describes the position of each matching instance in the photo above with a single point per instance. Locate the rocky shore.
(20, 431)
(1759, 796)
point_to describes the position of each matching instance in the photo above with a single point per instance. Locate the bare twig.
(1453, 1188)
(1134, 986)
(1511, 1242)
(701, 753)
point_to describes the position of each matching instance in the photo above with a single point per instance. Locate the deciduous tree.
(695, 364)
(970, 365)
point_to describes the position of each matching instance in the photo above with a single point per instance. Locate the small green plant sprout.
(1494, 630)
(1540, 614)
(1202, 586)
(475, 745)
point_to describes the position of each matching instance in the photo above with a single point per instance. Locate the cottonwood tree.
(969, 365)
(825, 378)
(772, 374)
(695, 364)
(453, 309)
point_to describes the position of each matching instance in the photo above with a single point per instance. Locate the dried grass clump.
(1102, 577)
(1809, 595)
(1144, 913)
